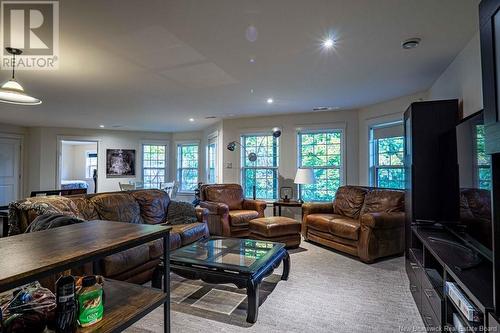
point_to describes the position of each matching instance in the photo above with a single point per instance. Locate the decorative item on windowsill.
(304, 177)
(252, 157)
(286, 193)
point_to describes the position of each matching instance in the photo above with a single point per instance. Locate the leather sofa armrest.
(202, 214)
(215, 208)
(258, 205)
(315, 208)
(383, 220)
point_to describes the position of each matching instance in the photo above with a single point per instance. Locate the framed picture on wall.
(120, 163)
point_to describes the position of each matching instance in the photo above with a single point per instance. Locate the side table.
(280, 203)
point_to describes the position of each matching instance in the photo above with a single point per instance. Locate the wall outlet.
(229, 165)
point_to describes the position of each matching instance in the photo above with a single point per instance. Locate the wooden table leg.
(286, 266)
(253, 301)
(274, 210)
(166, 283)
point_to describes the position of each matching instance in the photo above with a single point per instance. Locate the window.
(212, 160)
(483, 169)
(322, 152)
(154, 165)
(387, 156)
(187, 166)
(90, 163)
(262, 173)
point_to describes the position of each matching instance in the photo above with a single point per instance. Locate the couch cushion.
(120, 262)
(191, 232)
(156, 246)
(241, 217)
(153, 205)
(344, 227)
(117, 206)
(388, 201)
(320, 221)
(86, 208)
(230, 194)
(349, 201)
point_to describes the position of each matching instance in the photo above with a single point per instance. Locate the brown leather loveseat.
(361, 221)
(229, 211)
(140, 206)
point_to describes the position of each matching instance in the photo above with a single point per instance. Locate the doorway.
(78, 165)
(10, 169)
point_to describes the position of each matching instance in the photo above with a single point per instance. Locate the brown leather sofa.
(140, 206)
(475, 213)
(229, 211)
(361, 221)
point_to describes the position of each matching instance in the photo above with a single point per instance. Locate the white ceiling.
(152, 65)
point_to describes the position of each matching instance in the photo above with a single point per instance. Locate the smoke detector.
(410, 43)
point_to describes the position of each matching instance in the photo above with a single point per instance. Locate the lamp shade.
(304, 176)
(12, 92)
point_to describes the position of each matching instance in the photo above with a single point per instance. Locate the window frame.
(373, 158)
(167, 151)
(179, 167)
(315, 130)
(87, 164)
(242, 167)
(212, 139)
(477, 167)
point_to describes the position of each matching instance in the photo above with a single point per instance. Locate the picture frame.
(120, 163)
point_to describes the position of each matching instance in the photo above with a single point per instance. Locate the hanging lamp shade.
(11, 91)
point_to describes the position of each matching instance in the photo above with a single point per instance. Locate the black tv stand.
(434, 259)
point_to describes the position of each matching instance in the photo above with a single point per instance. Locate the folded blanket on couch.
(50, 221)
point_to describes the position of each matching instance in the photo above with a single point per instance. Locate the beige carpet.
(326, 292)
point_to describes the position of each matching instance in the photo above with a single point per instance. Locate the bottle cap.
(88, 281)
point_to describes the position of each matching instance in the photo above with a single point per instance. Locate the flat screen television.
(474, 171)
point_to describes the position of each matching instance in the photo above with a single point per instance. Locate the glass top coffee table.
(243, 262)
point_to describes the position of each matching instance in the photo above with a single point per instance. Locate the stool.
(276, 229)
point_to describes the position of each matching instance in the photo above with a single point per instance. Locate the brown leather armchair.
(229, 211)
(361, 221)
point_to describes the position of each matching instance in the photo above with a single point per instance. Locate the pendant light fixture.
(11, 91)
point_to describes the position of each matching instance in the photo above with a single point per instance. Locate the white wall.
(380, 113)
(462, 79)
(43, 153)
(289, 124)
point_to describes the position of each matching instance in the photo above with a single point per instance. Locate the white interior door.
(10, 153)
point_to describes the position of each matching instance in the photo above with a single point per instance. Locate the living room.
(317, 154)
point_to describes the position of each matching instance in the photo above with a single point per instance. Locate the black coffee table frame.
(250, 281)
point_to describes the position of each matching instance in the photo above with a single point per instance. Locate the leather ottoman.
(276, 229)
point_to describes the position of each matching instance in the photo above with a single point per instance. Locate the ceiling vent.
(211, 117)
(325, 108)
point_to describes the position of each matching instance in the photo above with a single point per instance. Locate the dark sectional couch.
(139, 206)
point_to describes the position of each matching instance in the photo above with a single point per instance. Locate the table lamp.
(304, 177)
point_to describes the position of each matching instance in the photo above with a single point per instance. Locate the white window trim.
(214, 136)
(87, 152)
(165, 143)
(318, 129)
(373, 151)
(177, 144)
(259, 131)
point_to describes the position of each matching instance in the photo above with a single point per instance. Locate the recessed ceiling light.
(101, 126)
(270, 101)
(329, 43)
(191, 119)
(410, 43)
(252, 60)
(251, 91)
